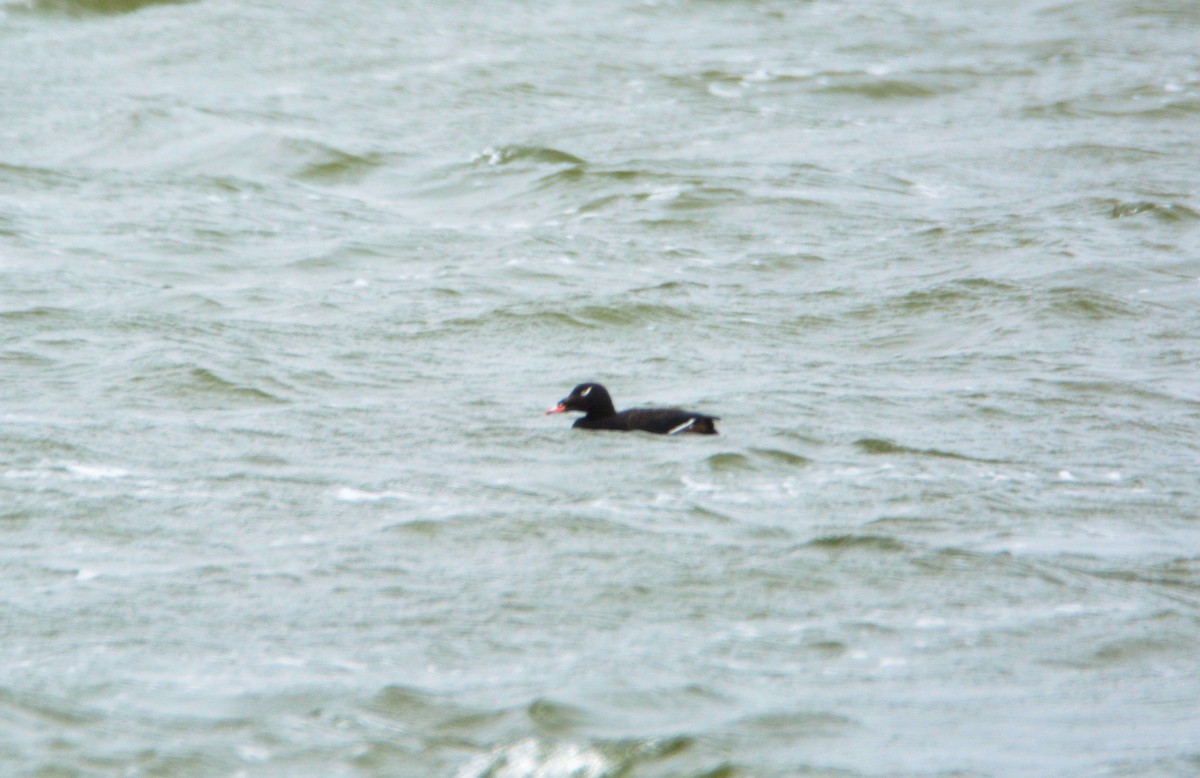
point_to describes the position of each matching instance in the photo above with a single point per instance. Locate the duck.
(600, 414)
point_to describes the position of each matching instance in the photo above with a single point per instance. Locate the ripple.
(858, 543)
(46, 712)
(202, 384)
(880, 88)
(98, 7)
(630, 314)
(729, 462)
(555, 717)
(782, 457)
(1142, 649)
(961, 297)
(799, 724)
(1149, 102)
(404, 701)
(624, 314)
(39, 313)
(1080, 303)
(881, 446)
(506, 155)
(1169, 213)
(334, 166)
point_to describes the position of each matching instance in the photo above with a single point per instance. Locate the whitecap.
(697, 486)
(723, 92)
(303, 540)
(96, 472)
(24, 474)
(350, 494)
(253, 753)
(666, 193)
(491, 155)
(530, 758)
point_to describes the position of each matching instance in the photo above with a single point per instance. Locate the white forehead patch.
(682, 427)
(586, 392)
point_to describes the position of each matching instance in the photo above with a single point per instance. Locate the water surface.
(286, 289)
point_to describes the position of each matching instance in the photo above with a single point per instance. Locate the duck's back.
(661, 421)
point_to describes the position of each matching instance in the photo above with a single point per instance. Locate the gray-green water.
(286, 287)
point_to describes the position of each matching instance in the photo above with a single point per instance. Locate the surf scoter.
(594, 401)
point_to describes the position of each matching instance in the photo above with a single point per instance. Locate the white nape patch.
(586, 392)
(685, 426)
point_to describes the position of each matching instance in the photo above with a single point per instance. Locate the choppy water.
(286, 287)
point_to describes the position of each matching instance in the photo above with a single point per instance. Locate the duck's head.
(588, 398)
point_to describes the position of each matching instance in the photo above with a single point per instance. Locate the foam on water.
(530, 758)
(350, 494)
(96, 472)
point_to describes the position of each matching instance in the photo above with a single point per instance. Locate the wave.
(1169, 213)
(1149, 102)
(559, 185)
(875, 83)
(1081, 303)
(195, 384)
(329, 165)
(857, 543)
(93, 7)
(622, 315)
(755, 459)
(506, 155)
(541, 737)
(231, 151)
(881, 446)
(534, 757)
